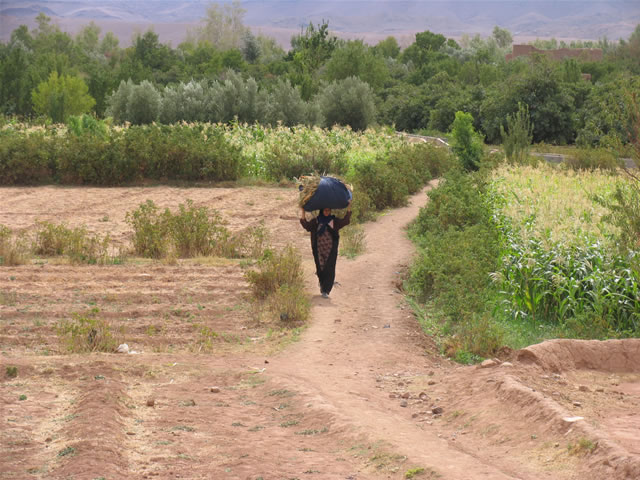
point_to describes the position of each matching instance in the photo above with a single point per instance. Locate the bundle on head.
(318, 192)
(308, 188)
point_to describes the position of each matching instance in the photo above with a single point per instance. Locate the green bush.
(278, 285)
(466, 143)
(518, 136)
(458, 202)
(26, 158)
(195, 230)
(150, 230)
(348, 102)
(87, 333)
(13, 251)
(77, 243)
(592, 159)
(275, 269)
(453, 267)
(624, 213)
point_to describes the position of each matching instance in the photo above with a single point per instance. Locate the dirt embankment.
(361, 393)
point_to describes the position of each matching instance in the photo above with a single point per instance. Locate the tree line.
(222, 72)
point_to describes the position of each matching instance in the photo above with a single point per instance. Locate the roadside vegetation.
(515, 252)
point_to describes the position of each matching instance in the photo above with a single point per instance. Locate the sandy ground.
(360, 393)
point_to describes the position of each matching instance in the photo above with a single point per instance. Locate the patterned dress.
(325, 248)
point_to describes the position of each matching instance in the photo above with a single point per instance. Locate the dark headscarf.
(323, 221)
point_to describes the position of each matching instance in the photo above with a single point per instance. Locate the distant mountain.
(370, 20)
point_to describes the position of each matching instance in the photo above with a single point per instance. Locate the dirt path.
(363, 334)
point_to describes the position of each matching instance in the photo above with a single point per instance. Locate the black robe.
(327, 274)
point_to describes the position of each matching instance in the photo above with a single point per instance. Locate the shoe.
(325, 295)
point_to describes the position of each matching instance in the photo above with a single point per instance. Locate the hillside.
(371, 20)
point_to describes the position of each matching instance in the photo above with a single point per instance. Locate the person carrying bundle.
(323, 194)
(324, 244)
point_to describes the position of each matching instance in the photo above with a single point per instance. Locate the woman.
(324, 244)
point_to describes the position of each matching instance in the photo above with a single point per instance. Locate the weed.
(289, 423)
(13, 251)
(67, 451)
(414, 472)
(182, 428)
(8, 297)
(353, 241)
(582, 447)
(77, 243)
(12, 371)
(281, 393)
(312, 431)
(22, 397)
(87, 333)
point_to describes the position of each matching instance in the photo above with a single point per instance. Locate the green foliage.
(190, 232)
(285, 105)
(85, 124)
(516, 140)
(11, 371)
(62, 96)
(13, 251)
(88, 333)
(623, 206)
(466, 143)
(26, 158)
(352, 241)
(347, 102)
(275, 269)
(355, 59)
(77, 243)
(278, 285)
(592, 159)
(150, 230)
(196, 231)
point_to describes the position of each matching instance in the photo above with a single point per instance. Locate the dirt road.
(362, 393)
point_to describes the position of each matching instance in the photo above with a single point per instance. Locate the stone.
(403, 403)
(584, 388)
(151, 402)
(489, 363)
(572, 419)
(577, 404)
(437, 410)
(405, 395)
(431, 382)
(214, 389)
(506, 364)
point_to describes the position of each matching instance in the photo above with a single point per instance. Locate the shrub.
(150, 230)
(347, 102)
(453, 267)
(26, 158)
(195, 231)
(457, 202)
(87, 333)
(518, 136)
(275, 270)
(284, 105)
(466, 143)
(290, 304)
(592, 159)
(13, 251)
(81, 246)
(352, 241)
(624, 213)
